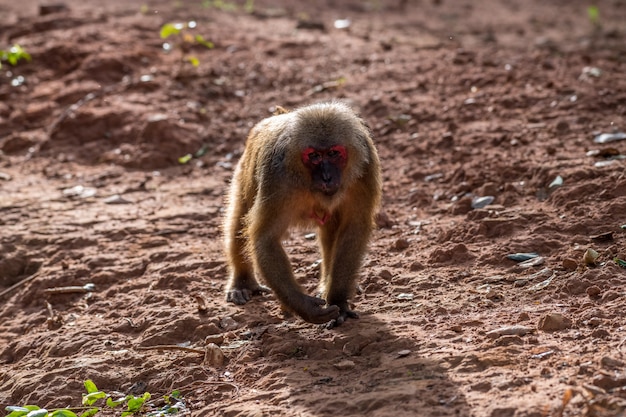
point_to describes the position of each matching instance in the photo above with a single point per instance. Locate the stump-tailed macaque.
(314, 166)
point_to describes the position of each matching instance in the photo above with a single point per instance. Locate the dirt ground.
(485, 115)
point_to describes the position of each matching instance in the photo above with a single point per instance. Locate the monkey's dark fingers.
(241, 296)
(343, 315)
(311, 310)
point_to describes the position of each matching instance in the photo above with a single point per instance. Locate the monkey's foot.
(241, 296)
(343, 315)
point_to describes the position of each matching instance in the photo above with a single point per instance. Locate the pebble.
(539, 260)
(554, 321)
(228, 323)
(482, 202)
(403, 353)
(509, 340)
(401, 244)
(594, 291)
(590, 256)
(344, 365)
(569, 264)
(116, 199)
(610, 363)
(213, 355)
(515, 330)
(404, 296)
(216, 339)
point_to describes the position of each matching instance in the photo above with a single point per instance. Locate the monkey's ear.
(280, 110)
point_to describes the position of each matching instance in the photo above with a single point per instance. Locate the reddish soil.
(465, 99)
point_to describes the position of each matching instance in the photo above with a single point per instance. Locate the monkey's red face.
(325, 166)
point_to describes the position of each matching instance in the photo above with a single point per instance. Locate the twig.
(19, 284)
(171, 347)
(619, 346)
(70, 290)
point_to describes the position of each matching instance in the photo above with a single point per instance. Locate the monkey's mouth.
(328, 190)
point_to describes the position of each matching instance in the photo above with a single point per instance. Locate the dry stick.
(619, 347)
(19, 284)
(171, 347)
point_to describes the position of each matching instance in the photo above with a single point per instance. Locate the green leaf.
(92, 397)
(620, 262)
(135, 403)
(170, 29)
(90, 386)
(202, 41)
(114, 403)
(184, 159)
(594, 14)
(63, 413)
(91, 412)
(16, 411)
(193, 60)
(42, 412)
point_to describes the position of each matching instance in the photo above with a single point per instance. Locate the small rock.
(509, 331)
(590, 256)
(610, 363)
(600, 334)
(344, 365)
(608, 382)
(385, 274)
(539, 260)
(404, 296)
(383, 221)
(482, 386)
(216, 339)
(213, 355)
(228, 323)
(482, 202)
(401, 244)
(416, 266)
(79, 192)
(522, 256)
(594, 291)
(554, 321)
(403, 353)
(509, 340)
(116, 199)
(562, 126)
(569, 264)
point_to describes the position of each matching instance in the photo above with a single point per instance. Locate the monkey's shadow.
(359, 368)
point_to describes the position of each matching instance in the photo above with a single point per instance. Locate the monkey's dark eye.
(315, 157)
(332, 154)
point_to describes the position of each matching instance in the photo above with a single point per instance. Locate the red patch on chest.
(321, 217)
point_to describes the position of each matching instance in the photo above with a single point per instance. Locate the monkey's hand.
(311, 309)
(243, 294)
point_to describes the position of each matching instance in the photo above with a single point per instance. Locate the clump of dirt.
(116, 155)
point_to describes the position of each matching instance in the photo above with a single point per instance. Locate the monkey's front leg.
(341, 263)
(273, 263)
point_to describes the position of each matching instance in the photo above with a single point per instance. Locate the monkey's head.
(332, 145)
